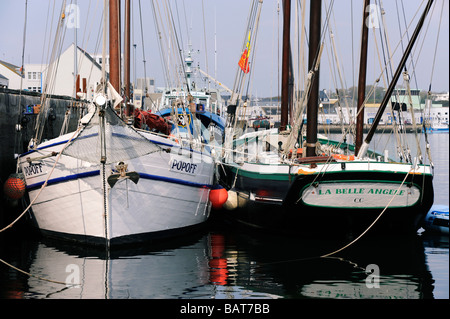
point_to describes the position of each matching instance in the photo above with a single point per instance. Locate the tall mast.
(291, 89)
(285, 65)
(313, 101)
(362, 78)
(114, 48)
(390, 89)
(127, 58)
(75, 62)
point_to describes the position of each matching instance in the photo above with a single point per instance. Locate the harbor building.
(33, 77)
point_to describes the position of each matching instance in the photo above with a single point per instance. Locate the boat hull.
(169, 197)
(436, 220)
(340, 198)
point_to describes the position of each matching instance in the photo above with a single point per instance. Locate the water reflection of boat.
(272, 264)
(169, 270)
(226, 264)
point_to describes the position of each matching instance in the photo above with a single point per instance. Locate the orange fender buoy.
(218, 196)
(14, 188)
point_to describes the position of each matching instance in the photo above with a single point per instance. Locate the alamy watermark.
(373, 20)
(72, 18)
(373, 276)
(73, 279)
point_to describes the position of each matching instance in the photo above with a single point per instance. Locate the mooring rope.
(37, 277)
(45, 182)
(28, 207)
(301, 259)
(376, 219)
(328, 255)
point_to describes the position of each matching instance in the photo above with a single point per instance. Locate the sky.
(217, 29)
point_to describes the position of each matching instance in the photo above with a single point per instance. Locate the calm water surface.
(226, 263)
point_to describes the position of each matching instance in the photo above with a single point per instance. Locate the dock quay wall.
(11, 114)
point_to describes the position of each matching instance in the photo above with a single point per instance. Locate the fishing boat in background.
(440, 127)
(281, 183)
(194, 108)
(109, 183)
(192, 116)
(205, 113)
(437, 125)
(435, 118)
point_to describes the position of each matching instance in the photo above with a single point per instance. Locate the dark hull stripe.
(58, 180)
(128, 240)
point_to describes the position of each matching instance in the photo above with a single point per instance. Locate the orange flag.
(243, 62)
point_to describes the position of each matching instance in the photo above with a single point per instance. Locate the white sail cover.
(121, 142)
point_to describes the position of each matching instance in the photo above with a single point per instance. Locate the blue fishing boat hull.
(436, 219)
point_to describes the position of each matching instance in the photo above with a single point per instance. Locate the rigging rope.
(143, 50)
(204, 35)
(38, 277)
(436, 47)
(50, 79)
(45, 182)
(404, 20)
(374, 222)
(18, 134)
(160, 36)
(249, 43)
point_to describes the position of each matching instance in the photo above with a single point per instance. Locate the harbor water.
(219, 262)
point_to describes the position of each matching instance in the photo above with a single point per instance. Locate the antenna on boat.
(180, 52)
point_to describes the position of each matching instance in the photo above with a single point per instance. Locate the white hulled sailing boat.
(108, 183)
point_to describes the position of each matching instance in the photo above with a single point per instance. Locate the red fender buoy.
(14, 188)
(218, 196)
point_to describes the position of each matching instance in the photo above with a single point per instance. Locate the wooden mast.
(285, 65)
(114, 48)
(313, 101)
(362, 78)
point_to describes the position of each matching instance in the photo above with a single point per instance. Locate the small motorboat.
(436, 219)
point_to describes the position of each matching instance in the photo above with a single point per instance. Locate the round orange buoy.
(14, 188)
(218, 196)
